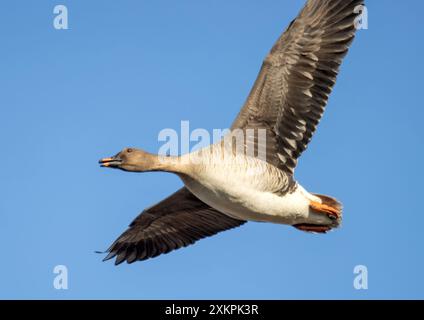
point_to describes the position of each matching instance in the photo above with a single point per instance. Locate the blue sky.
(126, 70)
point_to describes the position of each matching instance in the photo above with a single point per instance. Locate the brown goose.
(228, 187)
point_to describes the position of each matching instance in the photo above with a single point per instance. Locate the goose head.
(131, 159)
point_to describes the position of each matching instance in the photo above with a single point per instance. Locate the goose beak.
(113, 162)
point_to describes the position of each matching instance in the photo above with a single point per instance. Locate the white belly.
(245, 197)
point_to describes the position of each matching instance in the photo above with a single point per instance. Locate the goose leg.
(331, 212)
(312, 228)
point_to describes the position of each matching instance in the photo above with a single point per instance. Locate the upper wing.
(177, 221)
(296, 78)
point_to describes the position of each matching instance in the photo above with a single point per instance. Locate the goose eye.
(129, 150)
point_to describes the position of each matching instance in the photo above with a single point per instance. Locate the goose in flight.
(226, 186)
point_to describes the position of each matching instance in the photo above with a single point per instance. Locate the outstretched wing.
(176, 222)
(296, 79)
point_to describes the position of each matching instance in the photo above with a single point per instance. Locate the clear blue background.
(126, 70)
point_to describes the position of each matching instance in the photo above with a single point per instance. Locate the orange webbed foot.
(331, 212)
(312, 228)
